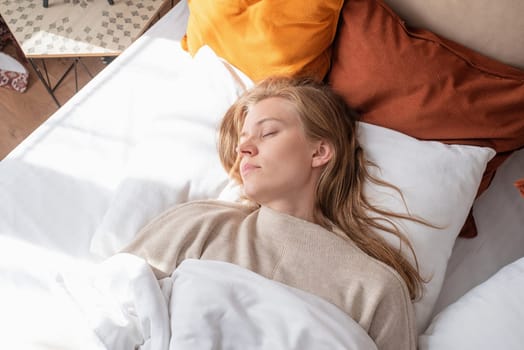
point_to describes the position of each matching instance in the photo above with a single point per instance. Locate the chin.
(251, 195)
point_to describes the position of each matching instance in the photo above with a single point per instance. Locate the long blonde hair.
(340, 199)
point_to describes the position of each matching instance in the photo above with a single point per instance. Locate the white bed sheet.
(79, 155)
(74, 164)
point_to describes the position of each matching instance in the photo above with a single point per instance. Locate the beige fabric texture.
(492, 28)
(289, 250)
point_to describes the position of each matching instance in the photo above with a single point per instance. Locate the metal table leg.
(43, 80)
(47, 82)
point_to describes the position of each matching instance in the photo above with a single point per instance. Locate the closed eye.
(270, 133)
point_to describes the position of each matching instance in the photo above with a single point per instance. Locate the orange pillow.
(426, 86)
(263, 38)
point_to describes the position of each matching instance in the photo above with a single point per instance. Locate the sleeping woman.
(305, 221)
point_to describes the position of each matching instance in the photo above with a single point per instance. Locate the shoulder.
(215, 205)
(204, 208)
(388, 287)
(385, 277)
(373, 269)
(391, 278)
(393, 325)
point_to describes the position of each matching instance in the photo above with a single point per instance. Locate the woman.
(291, 144)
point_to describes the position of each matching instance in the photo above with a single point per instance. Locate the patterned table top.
(77, 27)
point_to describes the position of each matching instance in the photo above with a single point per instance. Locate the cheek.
(291, 146)
(292, 161)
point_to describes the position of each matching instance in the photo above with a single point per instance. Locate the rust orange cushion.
(425, 86)
(519, 184)
(266, 37)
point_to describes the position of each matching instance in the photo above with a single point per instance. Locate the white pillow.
(176, 160)
(487, 317)
(439, 183)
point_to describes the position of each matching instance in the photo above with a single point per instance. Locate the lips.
(247, 168)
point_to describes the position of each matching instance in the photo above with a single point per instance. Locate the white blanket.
(56, 303)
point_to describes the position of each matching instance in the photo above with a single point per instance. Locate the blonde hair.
(340, 199)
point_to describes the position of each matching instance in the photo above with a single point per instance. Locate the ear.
(322, 154)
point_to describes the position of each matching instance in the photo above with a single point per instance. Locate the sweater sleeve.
(393, 325)
(159, 243)
(188, 231)
(179, 233)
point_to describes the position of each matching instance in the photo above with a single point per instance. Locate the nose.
(247, 148)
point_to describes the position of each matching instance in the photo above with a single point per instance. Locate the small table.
(76, 28)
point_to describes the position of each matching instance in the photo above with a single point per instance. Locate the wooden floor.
(21, 113)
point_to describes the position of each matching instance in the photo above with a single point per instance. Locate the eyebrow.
(261, 121)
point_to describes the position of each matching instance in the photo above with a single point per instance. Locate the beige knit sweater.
(289, 250)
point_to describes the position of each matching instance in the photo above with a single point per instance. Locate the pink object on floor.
(13, 74)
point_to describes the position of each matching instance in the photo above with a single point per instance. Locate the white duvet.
(118, 304)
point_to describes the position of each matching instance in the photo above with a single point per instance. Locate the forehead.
(271, 109)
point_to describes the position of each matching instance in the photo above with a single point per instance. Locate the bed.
(141, 137)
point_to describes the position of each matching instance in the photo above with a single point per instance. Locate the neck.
(298, 213)
(302, 208)
(300, 204)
